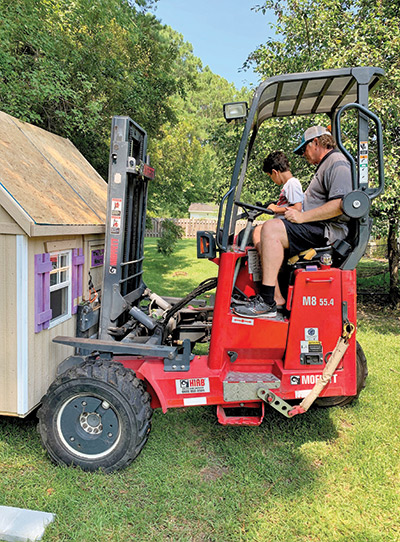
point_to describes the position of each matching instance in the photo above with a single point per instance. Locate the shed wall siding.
(44, 355)
(8, 325)
(29, 360)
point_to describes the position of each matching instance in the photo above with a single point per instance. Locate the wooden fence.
(375, 249)
(191, 226)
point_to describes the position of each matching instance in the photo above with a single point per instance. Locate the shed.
(203, 210)
(52, 226)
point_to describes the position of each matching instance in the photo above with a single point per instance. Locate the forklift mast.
(129, 173)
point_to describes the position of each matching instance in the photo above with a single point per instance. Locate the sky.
(223, 32)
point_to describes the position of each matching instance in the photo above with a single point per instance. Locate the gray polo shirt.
(332, 180)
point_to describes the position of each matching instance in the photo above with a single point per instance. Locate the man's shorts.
(303, 236)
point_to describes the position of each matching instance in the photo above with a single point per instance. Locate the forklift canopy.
(312, 92)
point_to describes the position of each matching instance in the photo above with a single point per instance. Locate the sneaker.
(256, 308)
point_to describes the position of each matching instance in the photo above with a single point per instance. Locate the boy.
(276, 165)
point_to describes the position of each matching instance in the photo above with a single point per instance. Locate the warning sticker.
(308, 347)
(188, 386)
(115, 225)
(116, 205)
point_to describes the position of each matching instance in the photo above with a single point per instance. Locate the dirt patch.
(212, 473)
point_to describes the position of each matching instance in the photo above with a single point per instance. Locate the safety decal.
(116, 209)
(115, 225)
(116, 205)
(311, 334)
(310, 347)
(244, 321)
(363, 161)
(187, 386)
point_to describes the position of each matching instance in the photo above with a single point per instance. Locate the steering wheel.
(253, 211)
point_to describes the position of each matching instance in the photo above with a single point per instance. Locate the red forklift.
(135, 352)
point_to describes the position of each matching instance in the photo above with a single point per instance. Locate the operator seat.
(339, 250)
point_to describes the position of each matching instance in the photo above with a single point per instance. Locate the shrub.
(171, 232)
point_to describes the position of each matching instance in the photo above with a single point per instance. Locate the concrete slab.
(19, 525)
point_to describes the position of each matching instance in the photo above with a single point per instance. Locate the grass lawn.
(332, 475)
(178, 274)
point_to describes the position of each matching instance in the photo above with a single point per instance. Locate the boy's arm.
(274, 208)
(282, 209)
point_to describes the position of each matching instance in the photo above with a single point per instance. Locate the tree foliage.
(68, 66)
(189, 160)
(320, 34)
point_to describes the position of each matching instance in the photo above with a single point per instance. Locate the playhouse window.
(60, 286)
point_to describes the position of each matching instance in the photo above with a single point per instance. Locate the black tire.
(362, 373)
(95, 416)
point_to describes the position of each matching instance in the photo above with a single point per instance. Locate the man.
(321, 222)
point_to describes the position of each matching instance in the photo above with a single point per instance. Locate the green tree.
(187, 155)
(68, 66)
(184, 170)
(318, 34)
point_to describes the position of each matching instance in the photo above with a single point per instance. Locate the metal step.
(237, 416)
(244, 386)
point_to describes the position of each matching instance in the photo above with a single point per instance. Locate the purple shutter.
(78, 260)
(43, 311)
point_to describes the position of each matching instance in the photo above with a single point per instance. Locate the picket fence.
(191, 226)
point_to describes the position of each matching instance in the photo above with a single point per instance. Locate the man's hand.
(292, 215)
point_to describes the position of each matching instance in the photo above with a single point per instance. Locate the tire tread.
(115, 375)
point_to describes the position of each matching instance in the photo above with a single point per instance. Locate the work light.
(235, 111)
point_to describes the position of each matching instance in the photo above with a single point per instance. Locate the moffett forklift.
(97, 413)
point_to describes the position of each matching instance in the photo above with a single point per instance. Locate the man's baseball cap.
(309, 135)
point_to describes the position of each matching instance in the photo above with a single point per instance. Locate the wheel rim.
(88, 426)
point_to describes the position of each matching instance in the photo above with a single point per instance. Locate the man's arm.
(324, 212)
